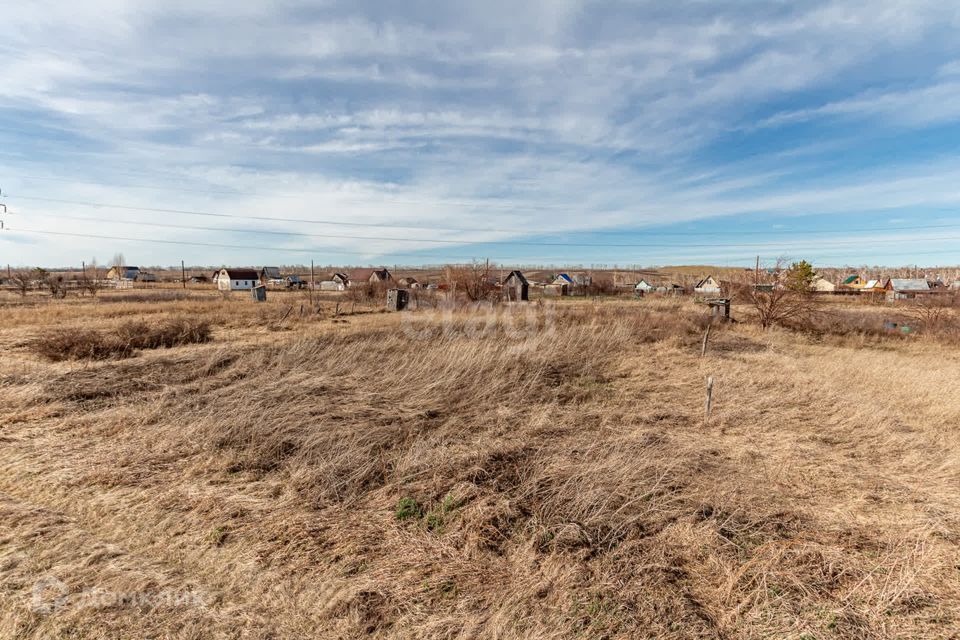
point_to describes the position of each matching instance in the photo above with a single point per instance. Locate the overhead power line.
(467, 242)
(421, 256)
(389, 225)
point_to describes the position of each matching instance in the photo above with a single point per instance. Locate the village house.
(872, 286)
(906, 288)
(708, 286)
(822, 285)
(371, 276)
(237, 279)
(271, 275)
(123, 273)
(573, 280)
(643, 287)
(853, 281)
(408, 282)
(143, 276)
(340, 278)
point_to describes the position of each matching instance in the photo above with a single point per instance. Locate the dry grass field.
(518, 472)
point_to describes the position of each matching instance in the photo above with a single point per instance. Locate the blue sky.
(560, 132)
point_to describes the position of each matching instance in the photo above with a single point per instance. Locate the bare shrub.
(54, 284)
(475, 280)
(601, 286)
(77, 344)
(170, 333)
(84, 344)
(784, 297)
(933, 312)
(22, 281)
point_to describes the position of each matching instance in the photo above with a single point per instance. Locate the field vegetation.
(289, 470)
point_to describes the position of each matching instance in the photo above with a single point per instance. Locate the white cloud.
(548, 115)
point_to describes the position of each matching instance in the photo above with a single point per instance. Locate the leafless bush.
(933, 312)
(89, 284)
(783, 298)
(54, 284)
(601, 286)
(88, 344)
(169, 333)
(22, 281)
(474, 280)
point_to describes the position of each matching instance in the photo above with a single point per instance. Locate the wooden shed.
(515, 287)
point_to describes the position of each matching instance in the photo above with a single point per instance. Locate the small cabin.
(123, 273)
(237, 279)
(271, 275)
(369, 276)
(708, 286)
(821, 285)
(643, 287)
(853, 281)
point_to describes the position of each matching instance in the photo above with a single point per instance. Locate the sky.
(559, 132)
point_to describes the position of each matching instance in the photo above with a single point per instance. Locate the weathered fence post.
(709, 395)
(706, 336)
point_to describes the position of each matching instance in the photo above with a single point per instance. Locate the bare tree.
(22, 281)
(784, 297)
(90, 283)
(475, 280)
(933, 311)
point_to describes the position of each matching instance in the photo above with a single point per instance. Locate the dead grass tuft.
(87, 344)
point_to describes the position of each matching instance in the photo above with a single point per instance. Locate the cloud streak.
(546, 117)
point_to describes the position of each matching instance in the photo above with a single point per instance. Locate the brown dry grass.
(365, 475)
(122, 342)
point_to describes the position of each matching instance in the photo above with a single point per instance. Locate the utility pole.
(183, 275)
(312, 284)
(756, 275)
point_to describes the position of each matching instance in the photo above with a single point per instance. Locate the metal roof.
(909, 284)
(241, 274)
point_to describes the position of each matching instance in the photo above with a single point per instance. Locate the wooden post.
(709, 395)
(312, 283)
(706, 336)
(183, 275)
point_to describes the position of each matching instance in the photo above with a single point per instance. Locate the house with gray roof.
(906, 288)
